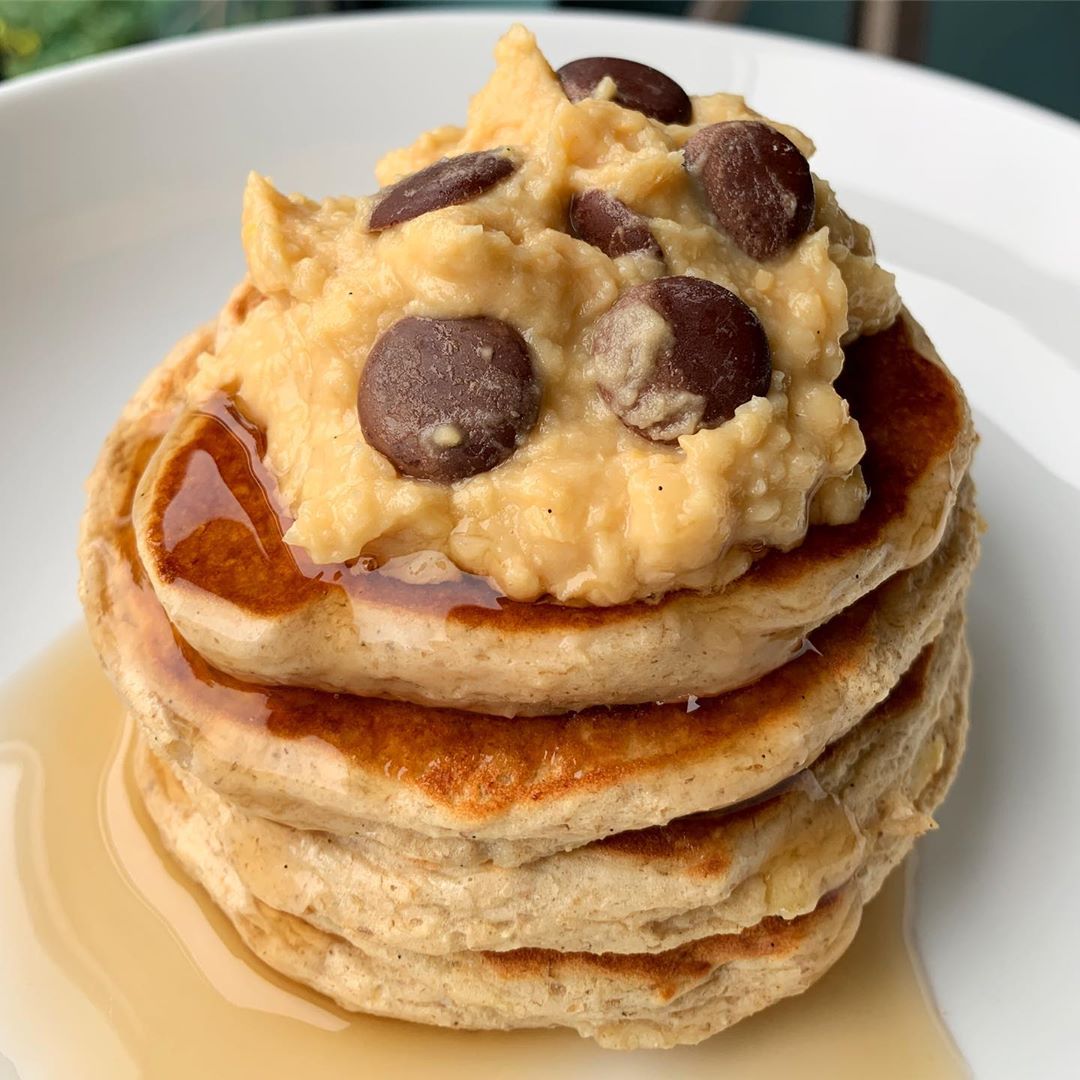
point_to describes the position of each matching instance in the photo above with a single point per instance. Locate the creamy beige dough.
(585, 510)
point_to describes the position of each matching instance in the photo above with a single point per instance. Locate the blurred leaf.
(38, 33)
(69, 29)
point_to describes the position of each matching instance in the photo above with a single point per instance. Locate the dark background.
(1030, 48)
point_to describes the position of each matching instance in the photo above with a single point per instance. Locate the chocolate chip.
(448, 398)
(610, 225)
(448, 182)
(636, 87)
(757, 182)
(679, 354)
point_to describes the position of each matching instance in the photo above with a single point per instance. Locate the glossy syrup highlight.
(115, 966)
(215, 522)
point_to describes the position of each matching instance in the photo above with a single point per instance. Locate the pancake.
(209, 527)
(635, 892)
(347, 764)
(630, 1000)
(642, 820)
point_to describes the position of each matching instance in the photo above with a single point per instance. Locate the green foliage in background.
(36, 34)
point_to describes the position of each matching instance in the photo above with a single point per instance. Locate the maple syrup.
(216, 522)
(116, 966)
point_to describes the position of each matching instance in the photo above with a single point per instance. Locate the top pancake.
(209, 530)
(347, 764)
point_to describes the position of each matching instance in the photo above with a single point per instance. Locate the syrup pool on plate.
(115, 966)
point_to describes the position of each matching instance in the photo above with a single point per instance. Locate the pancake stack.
(644, 873)
(642, 819)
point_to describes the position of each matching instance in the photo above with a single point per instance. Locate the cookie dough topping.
(610, 225)
(629, 84)
(444, 399)
(679, 354)
(757, 182)
(619, 441)
(449, 182)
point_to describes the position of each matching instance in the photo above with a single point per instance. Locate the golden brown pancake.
(209, 527)
(642, 891)
(681, 995)
(322, 760)
(558, 781)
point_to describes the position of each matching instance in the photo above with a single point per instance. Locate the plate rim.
(131, 57)
(242, 41)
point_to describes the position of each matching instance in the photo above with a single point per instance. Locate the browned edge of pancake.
(667, 971)
(685, 838)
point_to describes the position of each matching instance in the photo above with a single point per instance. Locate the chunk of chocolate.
(637, 86)
(757, 182)
(444, 399)
(610, 225)
(677, 355)
(448, 182)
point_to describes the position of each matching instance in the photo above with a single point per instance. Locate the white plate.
(119, 206)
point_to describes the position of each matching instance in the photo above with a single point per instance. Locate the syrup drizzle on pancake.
(219, 525)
